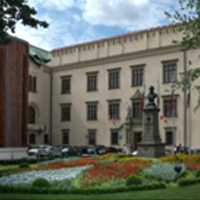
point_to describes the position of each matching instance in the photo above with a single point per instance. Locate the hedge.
(36, 190)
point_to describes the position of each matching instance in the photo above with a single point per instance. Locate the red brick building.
(14, 63)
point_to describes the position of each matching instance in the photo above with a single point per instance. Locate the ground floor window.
(65, 136)
(32, 139)
(46, 139)
(114, 137)
(92, 137)
(169, 137)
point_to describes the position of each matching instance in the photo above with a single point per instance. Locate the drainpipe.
(51, 107)
(184, 102)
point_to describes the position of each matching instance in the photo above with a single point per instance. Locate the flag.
(158, 92)
(161, 117)
(142, 96)
(109, 118)
(114, 119)
(188, 98)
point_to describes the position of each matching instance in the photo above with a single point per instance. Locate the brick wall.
(14, 94)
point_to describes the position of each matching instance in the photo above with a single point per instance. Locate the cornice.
(117, 58)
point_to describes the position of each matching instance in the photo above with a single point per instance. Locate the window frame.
(67, 136)
(66, 84)
(32, 140)
(31, 116)
(114, 108)
(94, 132)
(92, 111)
(139, 76)
(32, 83)
(169, 75)
(114, 78)
(92, 81)
(114, 141)
(136, 111)
(166, 106)
(65, 117)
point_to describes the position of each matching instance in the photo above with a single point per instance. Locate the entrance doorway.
(137, 139)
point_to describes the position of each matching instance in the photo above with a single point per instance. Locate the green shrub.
(185, 182)
(198, 173)
(133, 180)
(24, 165)
(41, 182)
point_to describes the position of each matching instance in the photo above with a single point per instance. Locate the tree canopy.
(14, 11)
(189, 18)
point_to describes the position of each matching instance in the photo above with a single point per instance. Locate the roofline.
(39, 48)
(18, 39)
(117, 36)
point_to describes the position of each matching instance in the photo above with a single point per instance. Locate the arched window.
(32, 138)
(31, 115)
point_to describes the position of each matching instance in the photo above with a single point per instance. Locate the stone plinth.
(151, 144)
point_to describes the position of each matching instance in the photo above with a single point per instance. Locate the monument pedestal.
(151, 145)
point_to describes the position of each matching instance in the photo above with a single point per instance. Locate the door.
(137, 139)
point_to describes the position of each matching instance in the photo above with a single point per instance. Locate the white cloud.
(129, 14)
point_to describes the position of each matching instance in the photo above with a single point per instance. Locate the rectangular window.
(92, 137)
(46, 138)
(114, 110)
(66, 85)
(169, 72)
(137, 76)
(169, 138)
(114, 137)
(168, 108)
(32, 83)
(137, 111)
(92, 82)
(65, 136)
(114, 79)
(92, 111)
(65, 112)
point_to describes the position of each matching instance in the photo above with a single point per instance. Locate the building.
(14, 93)
(82, 94)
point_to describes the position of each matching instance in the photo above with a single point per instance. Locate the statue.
(128, 111)
(151, 96)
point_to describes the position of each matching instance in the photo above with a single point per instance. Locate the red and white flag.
(158, 92)
(114, 119)
(161, 117)
(109, 118)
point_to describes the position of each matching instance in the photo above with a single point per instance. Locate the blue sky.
(79, 21)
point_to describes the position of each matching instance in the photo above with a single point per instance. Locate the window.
(169, 72)
(31, 114)
(91, 82)
(32, 83)
(65, 136)
(137, 76)
(92, 137)
(137, 111)
(168, 110)
(32, 138)
(65, 112)
(114, 79)
(114, 137)
(92, 111)
(46, 138)
(169, 138)
(66, 85)
(114, 110)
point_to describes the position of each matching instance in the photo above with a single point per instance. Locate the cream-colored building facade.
(83, 93)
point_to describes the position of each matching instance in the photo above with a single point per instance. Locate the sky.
(78, 21)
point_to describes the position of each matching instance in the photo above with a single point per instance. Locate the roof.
(118, 36)
(40, 56)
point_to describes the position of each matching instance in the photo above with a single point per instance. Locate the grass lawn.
(189, 192)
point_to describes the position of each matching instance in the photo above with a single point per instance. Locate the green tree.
(14, 11)
(188, 21)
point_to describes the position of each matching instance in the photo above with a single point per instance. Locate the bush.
(41, 182)
(24, 165)
(198, 173)
(133, 180)
(185, 182)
